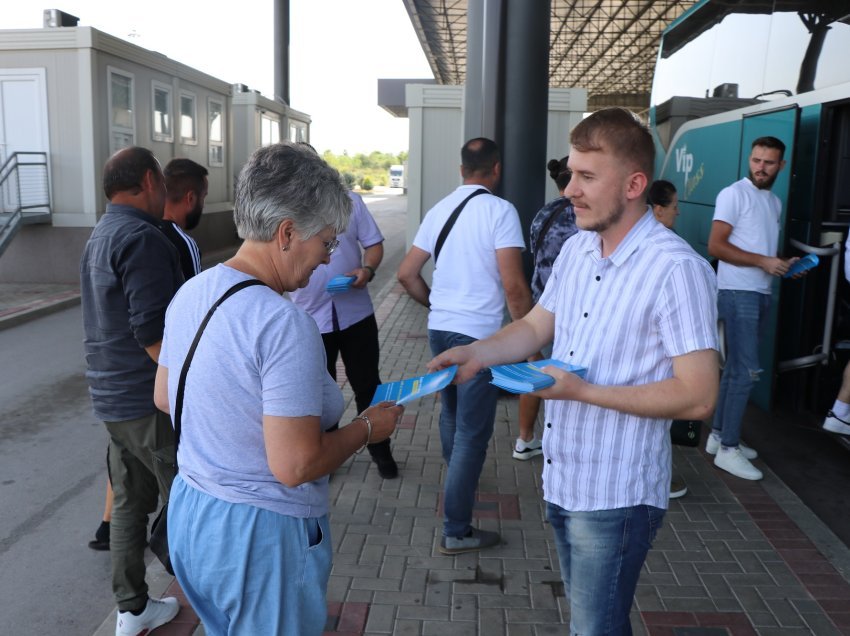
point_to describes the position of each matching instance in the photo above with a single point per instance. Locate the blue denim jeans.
(743, 313)
(601, 554)
(466, 426)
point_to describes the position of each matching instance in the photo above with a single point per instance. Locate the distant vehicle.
(397, 176)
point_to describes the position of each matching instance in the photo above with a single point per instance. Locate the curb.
(39, 309)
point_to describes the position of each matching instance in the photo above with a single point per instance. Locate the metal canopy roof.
(606, 46)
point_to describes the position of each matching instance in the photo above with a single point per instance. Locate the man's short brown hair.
(619, 132)
(183, 176)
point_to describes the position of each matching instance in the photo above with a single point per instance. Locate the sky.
(338, 50)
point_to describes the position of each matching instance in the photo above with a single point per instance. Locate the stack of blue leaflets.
(807, 262)
(526, 377)
(404, 391)
(340, 284)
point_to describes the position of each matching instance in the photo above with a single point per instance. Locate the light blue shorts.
(246, 570)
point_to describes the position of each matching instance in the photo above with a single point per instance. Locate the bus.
(727, 73)
(396, 176)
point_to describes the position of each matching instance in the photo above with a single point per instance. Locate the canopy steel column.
(483, 24)
(526, 90)
(281, 51)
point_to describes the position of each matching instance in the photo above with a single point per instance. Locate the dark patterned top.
(557, 221)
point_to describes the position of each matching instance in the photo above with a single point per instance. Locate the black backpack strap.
(181, 384)
(548, 225)
(451, 221)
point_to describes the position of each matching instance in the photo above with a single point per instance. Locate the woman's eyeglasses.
(330, 246)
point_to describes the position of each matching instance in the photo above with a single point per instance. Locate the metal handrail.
(17, 195)
(12, 167)
(823, 357)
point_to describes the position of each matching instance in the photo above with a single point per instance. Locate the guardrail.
(24, 188)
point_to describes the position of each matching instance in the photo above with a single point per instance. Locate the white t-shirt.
(754, 216)
(466, 294)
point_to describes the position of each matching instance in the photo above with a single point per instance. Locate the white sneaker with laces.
(712, 445)
(733, 461)
(157, 612)
(526, 450)
(835, 424)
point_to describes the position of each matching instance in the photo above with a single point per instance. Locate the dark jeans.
(358, 345)
(141, 467)
(466, 425)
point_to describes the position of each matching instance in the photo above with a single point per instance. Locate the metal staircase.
(24, 193)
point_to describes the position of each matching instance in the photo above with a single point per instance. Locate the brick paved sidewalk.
(733, 557)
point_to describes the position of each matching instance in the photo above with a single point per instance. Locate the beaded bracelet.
(366, 419)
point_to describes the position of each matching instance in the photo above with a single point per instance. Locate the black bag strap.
(451, 221)
(181, 384)
(548, 225)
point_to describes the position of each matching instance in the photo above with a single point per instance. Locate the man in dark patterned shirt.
(551, 227)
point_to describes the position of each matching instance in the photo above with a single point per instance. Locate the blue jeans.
(601, 554)
(246, 570)
(466, 426)
(743, 313)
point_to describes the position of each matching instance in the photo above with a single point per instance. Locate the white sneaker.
(733, 461)
(157, 612)
(834, 424)
(677, 488)
(712, 445)
(526, 450)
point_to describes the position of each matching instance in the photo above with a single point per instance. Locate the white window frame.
(271, 120)
(189, 141)
(215, 143)
(297, 129)
(131, 130)
(169, 90)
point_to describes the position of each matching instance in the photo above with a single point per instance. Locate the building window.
(122, 117)
(297, 131)
(162, 112)
(216, 138)
(269, 130)
(188, 118)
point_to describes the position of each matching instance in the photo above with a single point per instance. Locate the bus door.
(782, 124)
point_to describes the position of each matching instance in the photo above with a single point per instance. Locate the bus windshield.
(754, 50)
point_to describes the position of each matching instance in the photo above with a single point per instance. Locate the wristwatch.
(371, 272)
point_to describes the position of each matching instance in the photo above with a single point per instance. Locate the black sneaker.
(101, 537)
(383, 458)
(474, 540)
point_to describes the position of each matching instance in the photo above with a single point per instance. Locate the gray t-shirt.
(259, 355)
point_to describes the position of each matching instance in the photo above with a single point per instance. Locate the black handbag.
(159, 529)
(685, 432)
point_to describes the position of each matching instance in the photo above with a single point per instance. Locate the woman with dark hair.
(248, 521)
(551, 227)
(664, 200)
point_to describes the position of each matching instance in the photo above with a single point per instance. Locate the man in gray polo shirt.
(128, 274)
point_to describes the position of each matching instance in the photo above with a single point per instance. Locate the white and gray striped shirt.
(625, 318)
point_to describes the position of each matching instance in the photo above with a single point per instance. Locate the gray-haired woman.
(247, 518)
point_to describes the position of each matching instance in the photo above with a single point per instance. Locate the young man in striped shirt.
(632, 302)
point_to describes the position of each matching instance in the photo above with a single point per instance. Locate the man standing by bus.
(744, 238)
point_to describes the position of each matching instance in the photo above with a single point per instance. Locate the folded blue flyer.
(526, 377)
(340, 284)
(404, 391)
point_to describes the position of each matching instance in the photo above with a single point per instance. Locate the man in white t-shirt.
(744, 238)
(477, 268)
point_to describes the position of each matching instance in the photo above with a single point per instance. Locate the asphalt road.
(52, 465)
